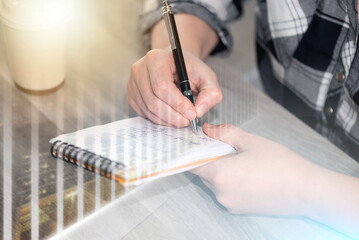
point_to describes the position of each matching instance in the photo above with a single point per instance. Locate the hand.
(267, 178)
(263, 178)
(153, 89)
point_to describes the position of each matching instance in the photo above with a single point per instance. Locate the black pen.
(178, 55)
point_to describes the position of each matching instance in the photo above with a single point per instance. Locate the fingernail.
(189, 114)
(208, 125)
(202, 109)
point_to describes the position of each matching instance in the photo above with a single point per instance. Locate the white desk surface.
(42, 197)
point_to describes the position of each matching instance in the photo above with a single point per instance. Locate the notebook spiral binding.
(86, 159)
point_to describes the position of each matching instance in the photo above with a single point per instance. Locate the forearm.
(196, 36)
(336, 201)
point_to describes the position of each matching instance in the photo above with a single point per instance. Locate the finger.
(141, 92)
(206, 84)
(213, 171)
(134, 106)
(134, 98)
(147, 115)
(228, 133)
(158, 107)
(133, 95)
(163, 111)
(204, 172)
(207, 98)
(162, 82)
(208, 184)
(140, 107)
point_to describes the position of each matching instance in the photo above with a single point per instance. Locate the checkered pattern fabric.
(309, 44)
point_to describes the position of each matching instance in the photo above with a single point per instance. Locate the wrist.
(309, 191)
(313, 194)
(159, 40)
(335, 199)
(196, 36)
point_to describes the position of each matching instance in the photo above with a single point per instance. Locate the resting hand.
(263, 178)
(154, 94)
(267, 178)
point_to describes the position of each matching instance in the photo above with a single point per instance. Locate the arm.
(152, 87)
(197, 37)
(335, 199)
(267, 178)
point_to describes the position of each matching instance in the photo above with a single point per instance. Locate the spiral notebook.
(135, 150)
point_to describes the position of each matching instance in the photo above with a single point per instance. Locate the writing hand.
(153, 89)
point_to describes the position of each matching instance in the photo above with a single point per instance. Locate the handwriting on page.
(146, 149)
(142, 143)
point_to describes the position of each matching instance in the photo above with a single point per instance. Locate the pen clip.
(167, 10)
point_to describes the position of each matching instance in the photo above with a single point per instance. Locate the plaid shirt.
(311, 47)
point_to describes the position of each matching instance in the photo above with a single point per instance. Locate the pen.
(185, 87)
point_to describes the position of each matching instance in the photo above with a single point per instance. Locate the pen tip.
(194, 126)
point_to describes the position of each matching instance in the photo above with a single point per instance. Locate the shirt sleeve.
(217, 14)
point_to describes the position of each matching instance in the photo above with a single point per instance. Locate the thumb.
(229, 134)
(208, 98)
(209, 91)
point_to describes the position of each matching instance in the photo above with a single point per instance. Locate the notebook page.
(146, 148)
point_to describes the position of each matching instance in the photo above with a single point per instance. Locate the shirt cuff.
(225, 45)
